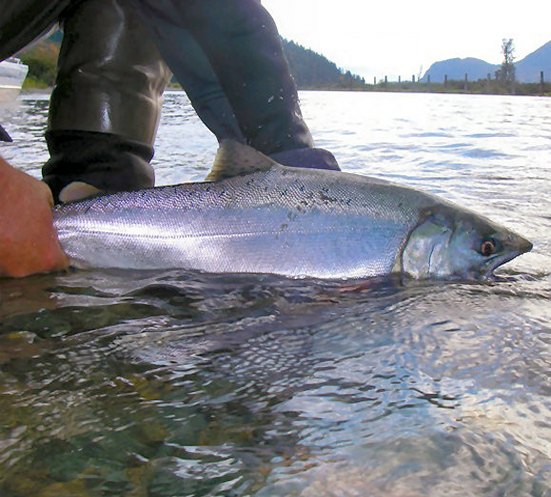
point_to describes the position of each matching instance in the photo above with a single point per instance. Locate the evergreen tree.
(506, 74)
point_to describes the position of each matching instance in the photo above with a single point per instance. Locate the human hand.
(28, 240)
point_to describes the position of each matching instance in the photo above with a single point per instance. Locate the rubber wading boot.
(106, 103)
(314, 158)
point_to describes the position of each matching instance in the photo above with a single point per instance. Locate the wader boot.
(244, 49)
(106, 103)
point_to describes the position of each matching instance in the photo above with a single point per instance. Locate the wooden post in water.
(542, 83)
(399, 79)
(386, 81)
(374, 80)
(488, 83)
(445, 81)
(413, 79)
(428, 82)
(465, 86)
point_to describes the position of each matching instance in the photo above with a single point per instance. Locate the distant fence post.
(386, 81)
(428, 82)
(374, 80)
(465, 86)
(413, 79)
(489, 77)
(542, 83)
(445, 81)
(399, 79)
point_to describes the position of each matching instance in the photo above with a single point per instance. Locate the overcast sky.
(399, 37)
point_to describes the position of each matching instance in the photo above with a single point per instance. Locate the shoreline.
(417, 88)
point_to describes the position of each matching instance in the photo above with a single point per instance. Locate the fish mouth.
(519, 248)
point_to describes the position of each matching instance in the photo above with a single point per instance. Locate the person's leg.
(243, 46)
(107, 99)
(192, 69)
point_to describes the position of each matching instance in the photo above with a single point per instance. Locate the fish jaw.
(515, 245)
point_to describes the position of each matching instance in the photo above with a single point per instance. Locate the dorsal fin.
(236, 159)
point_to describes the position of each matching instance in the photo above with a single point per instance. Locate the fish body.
(261, 217)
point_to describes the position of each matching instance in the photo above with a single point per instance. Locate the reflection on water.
(182, 384)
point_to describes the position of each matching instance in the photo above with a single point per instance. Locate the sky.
(404, 37)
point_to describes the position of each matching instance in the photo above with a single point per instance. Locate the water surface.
(183, 384)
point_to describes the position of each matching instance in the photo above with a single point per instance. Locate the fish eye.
(488, 247)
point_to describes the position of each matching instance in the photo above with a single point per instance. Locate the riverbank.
(522, 90)
(42, 61)
(452, 87)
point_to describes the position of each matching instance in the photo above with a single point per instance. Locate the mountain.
(456, 69)
(527, 70)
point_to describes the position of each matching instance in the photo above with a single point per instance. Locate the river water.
(119, 383)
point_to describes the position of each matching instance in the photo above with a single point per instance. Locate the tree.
(42, 61)
(506, 74)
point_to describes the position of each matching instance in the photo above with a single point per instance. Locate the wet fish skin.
(261, 217)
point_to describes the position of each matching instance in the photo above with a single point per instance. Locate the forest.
(309, 69)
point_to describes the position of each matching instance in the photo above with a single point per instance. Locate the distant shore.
(453, 87)
(310, 70)
(522, 89)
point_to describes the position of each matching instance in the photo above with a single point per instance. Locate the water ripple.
(179, 383)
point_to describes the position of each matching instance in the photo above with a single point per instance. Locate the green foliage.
(42, 61)
(479, 87)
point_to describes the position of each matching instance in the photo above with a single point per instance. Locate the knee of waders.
(104, 161)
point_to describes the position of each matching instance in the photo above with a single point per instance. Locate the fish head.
(456, 244)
